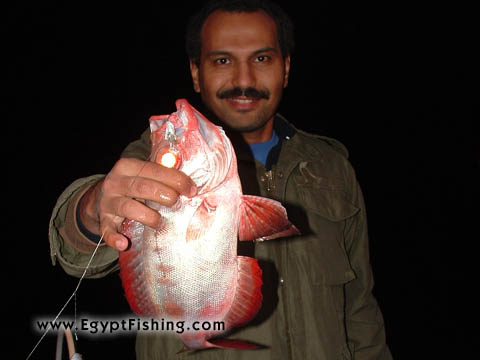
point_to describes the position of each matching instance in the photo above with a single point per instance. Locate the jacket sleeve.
(68, 245)
(364, 320)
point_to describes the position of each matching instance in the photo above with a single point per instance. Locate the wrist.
(87, 210)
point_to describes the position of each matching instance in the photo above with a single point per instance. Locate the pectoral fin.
(201, 220)
(263, 219)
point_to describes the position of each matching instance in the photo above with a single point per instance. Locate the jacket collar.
(285, 131)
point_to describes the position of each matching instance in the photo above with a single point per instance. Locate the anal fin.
(248, 295)
(222, 343)
(233, 344)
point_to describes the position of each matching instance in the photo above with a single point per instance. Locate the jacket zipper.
(285, 303)
(269, 180)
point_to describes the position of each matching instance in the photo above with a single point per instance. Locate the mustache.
(249, 92)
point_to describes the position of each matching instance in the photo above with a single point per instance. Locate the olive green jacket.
(318, 301)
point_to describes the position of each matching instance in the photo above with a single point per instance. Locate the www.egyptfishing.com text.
(112, 326)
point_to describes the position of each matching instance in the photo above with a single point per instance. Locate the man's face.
(242, 72)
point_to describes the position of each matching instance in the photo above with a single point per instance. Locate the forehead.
(238, 31)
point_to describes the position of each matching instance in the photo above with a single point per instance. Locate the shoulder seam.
(337, 145)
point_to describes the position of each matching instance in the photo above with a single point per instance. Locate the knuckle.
(108, 185)
(180, 181)
(123, 163)
(149, 217)
(126, 208)
(117, 167)
(142, 189)
(124, 166)
(159, 172)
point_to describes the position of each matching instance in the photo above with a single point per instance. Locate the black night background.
(394, 82)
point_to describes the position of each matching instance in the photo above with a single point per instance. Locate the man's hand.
(106, 204)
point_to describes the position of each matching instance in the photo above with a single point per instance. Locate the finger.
(170, 177)
(109, 225)
(148, 189)
(115, 240)
(126, 208)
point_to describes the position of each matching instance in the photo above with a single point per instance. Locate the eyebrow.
(225, 52)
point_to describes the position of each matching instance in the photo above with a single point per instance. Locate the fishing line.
(74, 294)
(69, 299)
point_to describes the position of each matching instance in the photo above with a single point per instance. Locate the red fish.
(189, 270)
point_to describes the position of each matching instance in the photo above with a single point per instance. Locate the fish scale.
(189, 270)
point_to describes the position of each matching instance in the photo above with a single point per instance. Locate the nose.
(244, 76)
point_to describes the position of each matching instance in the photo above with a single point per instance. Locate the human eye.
(222, 61)
(262, 59)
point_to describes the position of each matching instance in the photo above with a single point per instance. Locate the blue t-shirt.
(260, 150)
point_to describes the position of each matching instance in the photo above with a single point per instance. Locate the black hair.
(193, 42)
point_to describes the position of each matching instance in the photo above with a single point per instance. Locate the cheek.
(273, 79)
(278, 80)
(208, 91)
(211, 82)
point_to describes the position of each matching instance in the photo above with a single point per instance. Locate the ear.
(194, 72)
(287, 71)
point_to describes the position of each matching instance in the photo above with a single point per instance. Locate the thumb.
(112, 237)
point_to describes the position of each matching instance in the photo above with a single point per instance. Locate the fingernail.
(193, 190)
(120, 245)
(161, 224)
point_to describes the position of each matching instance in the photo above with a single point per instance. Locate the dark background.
(393, 81)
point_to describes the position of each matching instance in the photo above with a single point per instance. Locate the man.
(317, 287)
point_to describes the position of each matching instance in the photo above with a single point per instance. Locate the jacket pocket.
(326, 208)
(324, 195)
(326, 204)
